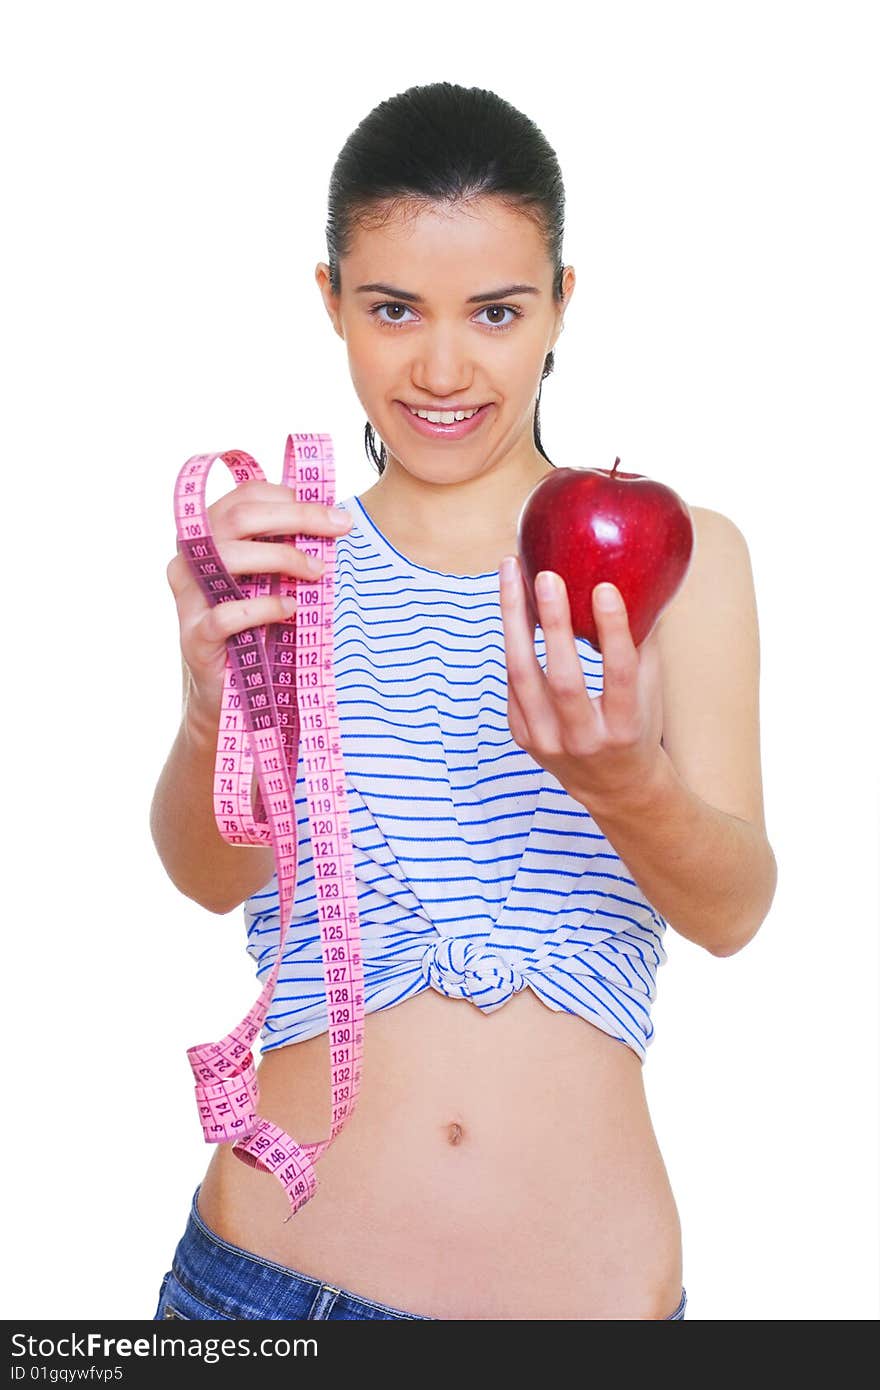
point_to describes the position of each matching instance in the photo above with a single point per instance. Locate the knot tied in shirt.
(472, 970)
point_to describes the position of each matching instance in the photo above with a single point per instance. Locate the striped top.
(478, 875)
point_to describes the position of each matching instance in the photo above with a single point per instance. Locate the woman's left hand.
(602, 751)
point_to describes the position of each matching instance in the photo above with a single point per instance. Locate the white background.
(168, 168)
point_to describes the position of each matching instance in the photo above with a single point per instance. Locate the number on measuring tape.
(279, 694)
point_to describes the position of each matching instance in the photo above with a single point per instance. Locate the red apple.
(591, 525)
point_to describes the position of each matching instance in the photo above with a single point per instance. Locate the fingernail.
(315, 566)
(547, 584)
(340, 515)
(607, 597)
(507, 569)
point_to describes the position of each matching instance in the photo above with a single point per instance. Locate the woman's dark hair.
(445, 143)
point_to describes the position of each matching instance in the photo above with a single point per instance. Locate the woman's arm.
(667, 759)
(711, 875)
(694, 837)
(199, 862)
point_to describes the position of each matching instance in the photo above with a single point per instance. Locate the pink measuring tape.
(278, 690)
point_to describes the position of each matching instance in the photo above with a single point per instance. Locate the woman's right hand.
(253, 509)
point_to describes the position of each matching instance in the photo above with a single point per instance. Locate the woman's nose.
(442, 365)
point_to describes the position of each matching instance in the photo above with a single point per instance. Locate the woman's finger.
(222, 620)
(566, 682)
(269, 509)
(268, 557)
(620, 661)
(524, 675)
(516, 720)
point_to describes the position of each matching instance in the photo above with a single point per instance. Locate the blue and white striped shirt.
(478, 875)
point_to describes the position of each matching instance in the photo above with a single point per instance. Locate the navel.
(454, 1133)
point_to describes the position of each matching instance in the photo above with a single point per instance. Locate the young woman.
(527, 814)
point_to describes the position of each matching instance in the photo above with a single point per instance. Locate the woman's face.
(425, 342)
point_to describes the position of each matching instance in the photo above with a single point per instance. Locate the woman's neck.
(472, 518)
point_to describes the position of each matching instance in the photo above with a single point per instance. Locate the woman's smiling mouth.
(453, 423)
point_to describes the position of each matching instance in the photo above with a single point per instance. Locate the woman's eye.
(488, 309)
(504, 309)
(376, 308)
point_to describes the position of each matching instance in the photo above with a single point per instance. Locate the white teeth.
(443, 417)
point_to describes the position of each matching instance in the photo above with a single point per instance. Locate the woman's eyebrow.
(503, 293)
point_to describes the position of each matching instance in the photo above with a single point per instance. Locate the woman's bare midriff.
(497, 1165)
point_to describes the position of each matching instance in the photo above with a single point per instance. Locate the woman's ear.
(331, 300)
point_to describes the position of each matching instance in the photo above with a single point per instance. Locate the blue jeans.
(210, 1278)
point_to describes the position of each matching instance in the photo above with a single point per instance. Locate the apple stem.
(614, 469)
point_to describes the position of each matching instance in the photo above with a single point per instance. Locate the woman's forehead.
(463, 237)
